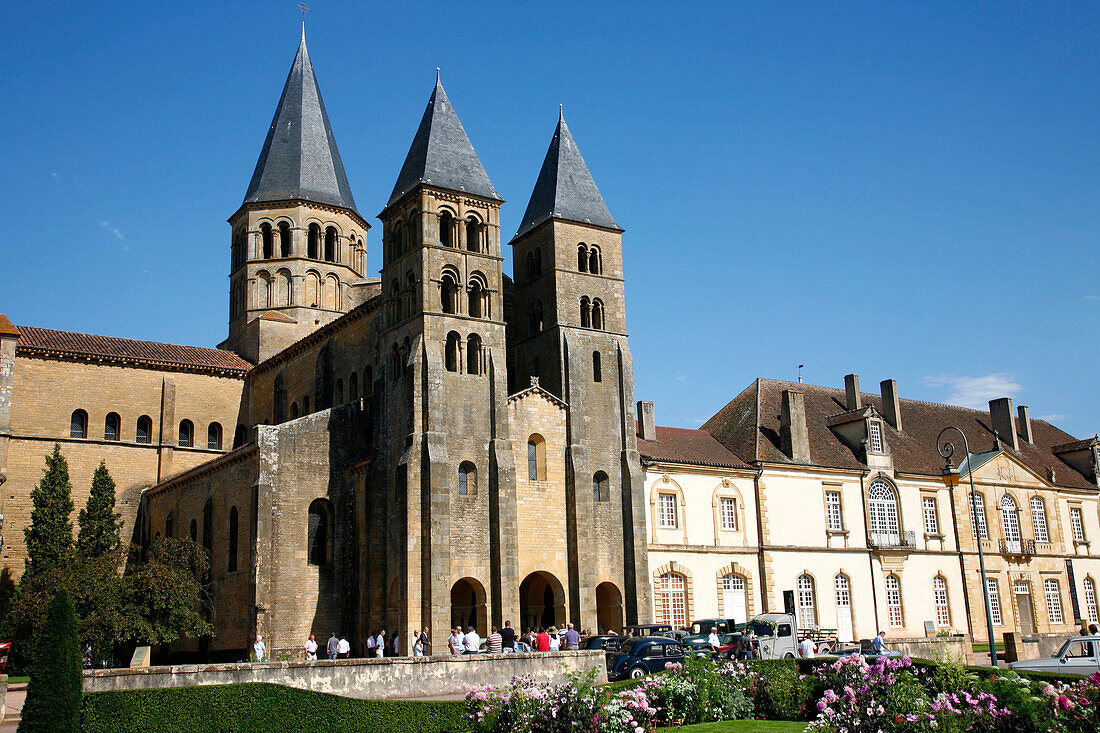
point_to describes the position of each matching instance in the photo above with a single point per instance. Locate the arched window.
(339, 391)
(368, 380)
(473, 234)
(214, 436)
(293, 410)
(673, 592)
(112, 426)
(597, 314)
(319, 539)
(474, 359)
(1010, 520)
(883, 512)
(208, 526)
(601, 489)
(305, 405)
(597, 371)
(939, 597)
(1039, 520)
(586, 313)
(194, 531)
(475, 296)
(453, 347)
(284, 239)
(446, 229)
(410, 294)
(1054, 600)
(232, 564)
(536, 458)
(330, 244)
(78, 424)
(582, 258)
(186, 434)
(330, 295)
(530, 266)
(267, 242)
(1090, 600)
(977, 516)
(240, 436)
(538, 261)
(313, 247)
(353, 387)
(278, 398)
(467, 479)
(594, 264)
(807, 605)
(448, 293)
(144, 429)
(169, 527)
(893, 600)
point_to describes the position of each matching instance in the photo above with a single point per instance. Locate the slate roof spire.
(441, 154)
(299, 159)
(565, 189)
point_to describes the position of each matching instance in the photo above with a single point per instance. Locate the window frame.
(1039, 520)
(724, 525)
(667, 511)
(931, 511)
(1089, 586)
(839, 513)
(671, 612)
(993, 592)
(875, 435)
(806, 592)
(1052, 593)
(116, 419)
(895, 611)
(942, 605)
(78, 424)
(979, 524)
(190, 440)
(1077, 525)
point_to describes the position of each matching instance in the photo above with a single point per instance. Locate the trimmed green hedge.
(259, 707)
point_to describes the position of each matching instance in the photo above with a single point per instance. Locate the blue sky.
(903, 190)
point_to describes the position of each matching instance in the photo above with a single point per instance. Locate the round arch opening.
(609, 608)
(468, 605)
(541, 601)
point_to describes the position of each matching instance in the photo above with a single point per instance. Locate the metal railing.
(892, 540)
(1017, 547)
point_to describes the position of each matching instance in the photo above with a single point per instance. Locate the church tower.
(298, 244)
(447, 452)
(570, 332)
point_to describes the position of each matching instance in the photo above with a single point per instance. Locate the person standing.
(425, 642)
(494, 642)
(260, 649)
(311, 649)
(807, 648)
(542, 640)
(454, 642)
(472, 642)
(713, 640)
(508, 638)
(343, 648)
(555, 640)
(417, 645)
(333, 646)
(397, 644)
(380, 644)
(571, 640)
(371, 644)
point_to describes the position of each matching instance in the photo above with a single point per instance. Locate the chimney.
(1004, 422)
(851, 389)
(646, 426)
(1025, 423)
(792, 432)
(891, 405)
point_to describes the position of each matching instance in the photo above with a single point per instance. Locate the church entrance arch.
(468, 605)
(609, 608)
(541, 601)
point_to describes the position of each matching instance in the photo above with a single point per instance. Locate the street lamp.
(951, 476)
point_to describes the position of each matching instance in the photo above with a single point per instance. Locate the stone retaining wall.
(378, 679)
(941, 648)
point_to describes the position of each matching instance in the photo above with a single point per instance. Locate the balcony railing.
(892, 540)
(1018, 547)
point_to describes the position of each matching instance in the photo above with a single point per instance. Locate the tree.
(49, 537)
(55, 691)
(99, 524)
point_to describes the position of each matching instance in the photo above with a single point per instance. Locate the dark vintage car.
(607, 642)
(649, 630)
(700, 645)
(640, 656)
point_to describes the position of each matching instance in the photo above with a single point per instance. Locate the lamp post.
(951, 477)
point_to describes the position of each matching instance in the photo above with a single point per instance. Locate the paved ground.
(14, 701)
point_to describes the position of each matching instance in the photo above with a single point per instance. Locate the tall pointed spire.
(441, 154)
(565, 189)
(299, 159)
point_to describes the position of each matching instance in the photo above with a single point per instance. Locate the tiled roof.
(111, 348)
(749, 426)
(6, 329)
(696, 447)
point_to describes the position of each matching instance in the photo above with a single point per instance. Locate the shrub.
(778, 690)
(54, 693)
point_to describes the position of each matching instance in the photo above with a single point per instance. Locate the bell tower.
(570, 332)
(298, 244)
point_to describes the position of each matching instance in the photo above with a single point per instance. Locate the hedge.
(260, 707)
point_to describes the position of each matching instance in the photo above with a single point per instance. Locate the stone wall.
(944, 648)
(396, 678)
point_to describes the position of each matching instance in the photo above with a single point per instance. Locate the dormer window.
(874, 435)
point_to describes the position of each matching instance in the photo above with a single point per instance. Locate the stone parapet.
(374, 679)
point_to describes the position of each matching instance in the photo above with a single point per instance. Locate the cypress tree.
(98, 522)
(55, 692)
(49, 537)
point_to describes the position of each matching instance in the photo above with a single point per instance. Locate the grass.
(740, 726)
(17, 679)
(983, 647)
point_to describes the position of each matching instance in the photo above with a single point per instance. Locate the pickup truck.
(775, 636)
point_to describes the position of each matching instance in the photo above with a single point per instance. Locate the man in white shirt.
(807, 648)
(311, 649)
(713, 640)
(343, 648)
(472, 642)
(380, 644)
(371, 644)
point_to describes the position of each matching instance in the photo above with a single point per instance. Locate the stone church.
(443, 444)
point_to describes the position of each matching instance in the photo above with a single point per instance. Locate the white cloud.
(680, 376)
(1092, 297)
(1053, 418)
(112, 230)
(976, 392)
(55, 176)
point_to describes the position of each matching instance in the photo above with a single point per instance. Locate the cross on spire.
(305, 9)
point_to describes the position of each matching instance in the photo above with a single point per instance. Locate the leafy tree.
(164, 596)
(54, 694)
(99, 523)
(49, 537)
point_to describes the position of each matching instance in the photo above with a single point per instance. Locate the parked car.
(520, 647)
(775, 636)
(1079, 655)
(607, 642)
(700, 645)
(649, 630)
(864, 649)
(703, 626)
(642, 655)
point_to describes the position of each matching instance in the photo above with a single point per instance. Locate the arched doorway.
(609, 608)
(468, 605)
(541, 601)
